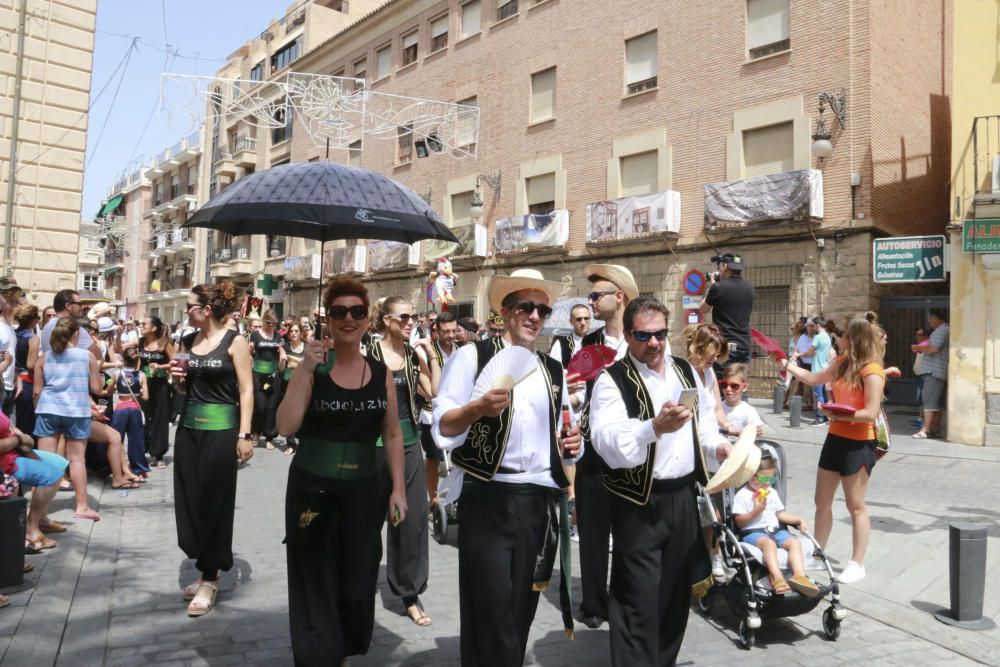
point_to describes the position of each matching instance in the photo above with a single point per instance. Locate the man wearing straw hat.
(652, 449)
(508, 468)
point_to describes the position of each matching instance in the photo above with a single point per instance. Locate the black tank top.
(148, 357)
(402, 394)
(211, 378)
(266, 349)
(347, 415)
(24, 337)
(129, 379)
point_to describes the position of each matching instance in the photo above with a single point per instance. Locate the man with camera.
(730, 299)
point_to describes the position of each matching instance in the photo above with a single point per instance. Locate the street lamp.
(822, 147)
(476, 205)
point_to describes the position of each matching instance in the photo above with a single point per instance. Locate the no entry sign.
(694, 282)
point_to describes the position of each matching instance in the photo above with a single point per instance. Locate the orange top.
(854, 396)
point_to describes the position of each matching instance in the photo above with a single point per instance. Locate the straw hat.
(99, 309)
(519, 280)
(740, 465)
(617, 275)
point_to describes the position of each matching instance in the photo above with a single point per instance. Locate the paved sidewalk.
(111, 592)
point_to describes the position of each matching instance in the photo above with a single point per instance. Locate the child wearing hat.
(759, 514)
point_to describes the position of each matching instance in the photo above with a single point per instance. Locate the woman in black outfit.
(267, 351)
(155, 353)
(213, 436)
(333, 508)
(295, 349)
(25, 356)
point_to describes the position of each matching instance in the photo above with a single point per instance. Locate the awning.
(112, 204)
(112, 269)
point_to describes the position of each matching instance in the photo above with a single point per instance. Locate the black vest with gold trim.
(484, 448)
(412, 371)
(567, 346)
(590, 462)
(634, 484)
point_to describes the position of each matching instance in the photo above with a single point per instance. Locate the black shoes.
(593, 622)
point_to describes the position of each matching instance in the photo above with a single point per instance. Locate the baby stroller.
(444, 513)
(746, 587)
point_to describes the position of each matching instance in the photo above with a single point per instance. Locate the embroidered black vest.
(590, 462)
(566, 344)
(483, 450)
(412, 371)
(634, 484)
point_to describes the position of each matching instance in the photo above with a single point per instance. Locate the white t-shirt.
(9, 341)
(802, 346)
(742, 415)
(83, 343)
(743, 504)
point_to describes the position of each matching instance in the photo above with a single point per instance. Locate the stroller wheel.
(831, 625)
(705, 605)
(747, 635)
(439, 516)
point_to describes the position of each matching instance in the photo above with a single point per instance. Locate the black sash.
(412, 371)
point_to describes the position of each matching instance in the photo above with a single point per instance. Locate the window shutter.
(768, 150)
(640, 174)
(470, 18)
(640, 58)
(383, 63)
(767, 22)
(465, 131)
(543, 94)
(541, 189)
(461, 205)
(410, 40)
(439, 27)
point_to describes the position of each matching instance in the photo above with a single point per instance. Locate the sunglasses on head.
(767, 479)
(730, 385)
(528, 307)
(645, 336)
(340, 312)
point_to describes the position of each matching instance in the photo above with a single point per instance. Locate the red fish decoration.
(588, 363)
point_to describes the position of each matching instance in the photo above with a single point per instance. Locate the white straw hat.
(519, 280)
(740, 465)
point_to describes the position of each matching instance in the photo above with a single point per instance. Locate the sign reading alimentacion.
(981, 236)
(909, 259)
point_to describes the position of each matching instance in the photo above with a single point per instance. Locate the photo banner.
(791, 195)
(532, 232)
(351, 259)
(655, 213)
(471, 243)
(303, 267)
(389, 255)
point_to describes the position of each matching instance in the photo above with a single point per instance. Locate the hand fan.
(838, 408)
(588, 362)
(506, 369)
(768, 344)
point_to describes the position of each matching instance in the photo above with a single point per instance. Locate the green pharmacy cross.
(267, 284)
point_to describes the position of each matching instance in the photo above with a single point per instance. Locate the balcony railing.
(241, 252)
(244, 143)
(221, 255)
(155, 285)
(112, 257)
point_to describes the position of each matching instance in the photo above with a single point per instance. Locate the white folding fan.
(505, 370)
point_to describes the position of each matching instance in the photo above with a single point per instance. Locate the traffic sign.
(692, 316)
(694, 282)
(981, 236)
(909, 259)
(689, 302)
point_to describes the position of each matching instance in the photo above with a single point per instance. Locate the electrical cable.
(111, 106)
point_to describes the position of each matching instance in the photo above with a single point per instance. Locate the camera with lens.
(714, 275)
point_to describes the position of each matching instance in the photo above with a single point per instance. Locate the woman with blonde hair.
(707, 346)
(848, 454)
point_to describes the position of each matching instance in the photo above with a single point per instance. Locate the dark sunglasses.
(528, 307)
(340, 312)
(189, 306)
(645, 336)
(404, 319)
(730, 385)
(595, 296)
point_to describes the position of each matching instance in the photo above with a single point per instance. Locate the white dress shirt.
(556, 350)
(528, 443)
(624, 443)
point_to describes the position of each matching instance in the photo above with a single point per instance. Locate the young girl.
(64, 379)
(130, 383)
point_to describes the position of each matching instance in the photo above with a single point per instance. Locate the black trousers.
(407, 557)
(265, 404)
(205, 495)
(593, 524)
(502, 532)
(158, 411)
(651, 575)
(334, 546)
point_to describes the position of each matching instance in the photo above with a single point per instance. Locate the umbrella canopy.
(558, 323)
(321, 201)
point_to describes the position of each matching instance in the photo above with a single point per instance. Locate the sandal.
(161, 465)
(30, 549)
(198, 606)
(53, 527)
(421, 618)
(920, 435)
(268, 445)
(804, 586)
(290, 451)
(4, 601)
(42, 544)
(89, 514)
(192, 590)
(780, 586)
(125, 485)
(28, 567)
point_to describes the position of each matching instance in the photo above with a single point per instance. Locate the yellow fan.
(505, 370)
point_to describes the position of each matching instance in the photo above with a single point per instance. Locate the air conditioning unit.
(996, 174)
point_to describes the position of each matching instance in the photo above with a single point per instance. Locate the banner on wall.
(351, 259)
(388, 255)
(471, 243)
(532, 232)
(790, 195)
(627, 217)
(303, 267)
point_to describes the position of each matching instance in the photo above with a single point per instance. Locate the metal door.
(901, 316)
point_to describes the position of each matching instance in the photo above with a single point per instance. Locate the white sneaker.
(815, 565)
(718, 570)
(852, 574)
(573, 534)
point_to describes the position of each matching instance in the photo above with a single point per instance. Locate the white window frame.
(479, 18)
(637, 84)
(410, 40)
(435, 25)
(380, 60)
(533, 116)
(756, 51)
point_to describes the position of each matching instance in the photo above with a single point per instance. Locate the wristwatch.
(245, 436)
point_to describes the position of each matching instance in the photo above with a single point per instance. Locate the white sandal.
(197, 607)
(192, 590)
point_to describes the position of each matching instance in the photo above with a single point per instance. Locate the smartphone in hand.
(688, 398)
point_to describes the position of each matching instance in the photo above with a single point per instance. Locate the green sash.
(210, 416)
(335, 460)
(265, 367)
(411, 434)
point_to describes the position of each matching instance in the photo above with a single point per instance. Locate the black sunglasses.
(596, 296)
(340, 312)
(644, 336)
(189, 306)
(528, 307)
(404, 318)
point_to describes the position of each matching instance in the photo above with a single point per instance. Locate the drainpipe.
(12, 160)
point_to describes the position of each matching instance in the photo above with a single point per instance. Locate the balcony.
(114, 260)
(765, 201)
(169, 242)
(245, 152)
(161, 290)
(224, 165)
(240, 262)
(218, 263)
(181, 197)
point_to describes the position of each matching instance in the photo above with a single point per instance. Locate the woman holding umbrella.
(212, 437)
(333, 508)
(155, 353)
(268, 352)
(407, 558)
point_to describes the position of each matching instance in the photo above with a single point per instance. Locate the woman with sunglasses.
(267, 349)
(212, 438)
(155, 352)
(707, 346)
(407, 557)
(295, 349)
(338, 404)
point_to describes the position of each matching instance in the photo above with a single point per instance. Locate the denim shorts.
(779, 537)
(41, 472)
(74, 428)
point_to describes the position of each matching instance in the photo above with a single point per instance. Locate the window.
(383, 62)
(461, 208)
(257, 71)
(543, 95)
(410, 48)
(175, 186)
(360, 72)
(284, 132)
(640, 173)
(404, 140)
(768, 150)
(439, 33)
(767, 27)
(470, 18)
(506, 9)
(93, 243)
(541, 192)
(640, 63)
(354, 154)
(465, 133)
(92, 281)
(285, 56)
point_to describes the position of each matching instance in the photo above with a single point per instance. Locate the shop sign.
(981, 236)
(909, 259)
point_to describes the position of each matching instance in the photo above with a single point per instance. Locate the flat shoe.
(196, 609)
(919, 435)
(28, 567)
(804, 586)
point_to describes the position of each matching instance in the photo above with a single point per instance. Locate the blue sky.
(201, 33)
